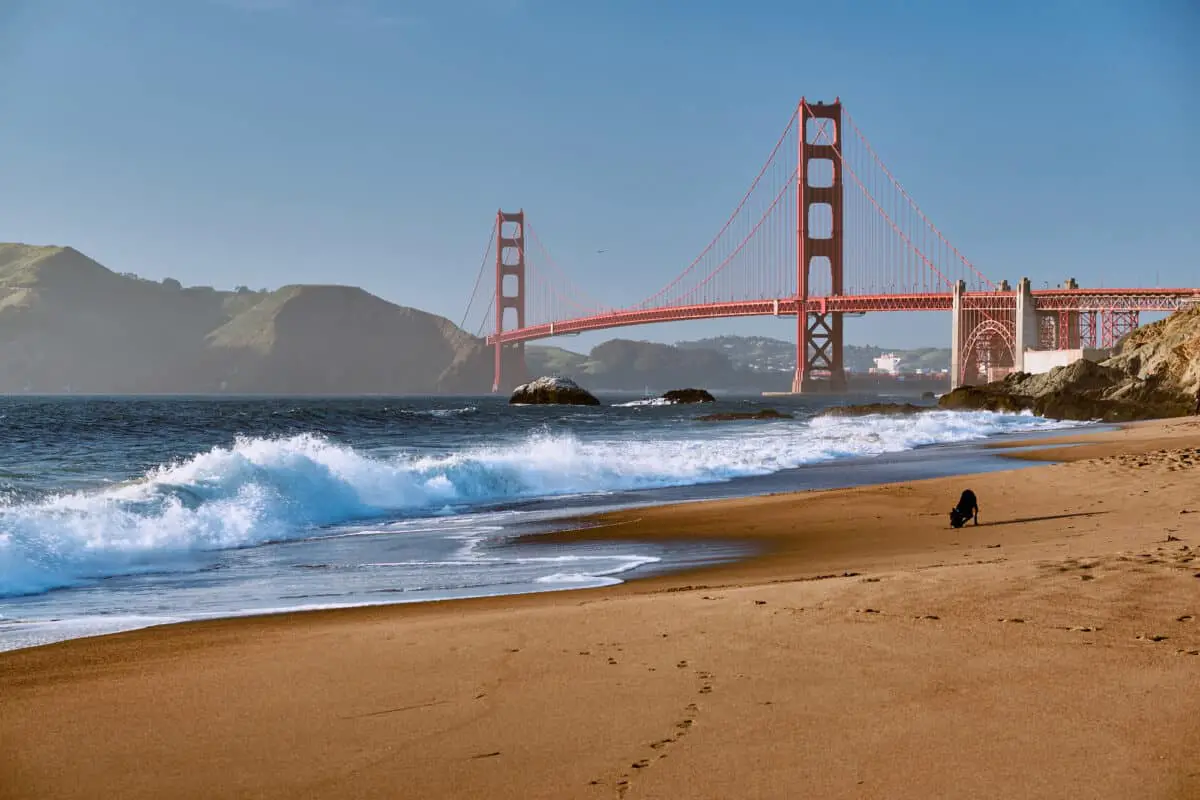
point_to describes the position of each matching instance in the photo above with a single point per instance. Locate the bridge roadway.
(1044, 300)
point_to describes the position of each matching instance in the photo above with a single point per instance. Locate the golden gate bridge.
(824, 231)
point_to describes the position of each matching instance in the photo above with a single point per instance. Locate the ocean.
(120, 513)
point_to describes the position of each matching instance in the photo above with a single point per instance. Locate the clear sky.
(369, 142)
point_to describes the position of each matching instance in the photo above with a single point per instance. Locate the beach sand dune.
(869, 651)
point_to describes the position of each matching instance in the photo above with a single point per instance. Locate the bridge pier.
(956, 336)
(1027, 324)
(819, 350)
(510, 368)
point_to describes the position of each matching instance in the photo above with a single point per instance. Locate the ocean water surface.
(118, 513)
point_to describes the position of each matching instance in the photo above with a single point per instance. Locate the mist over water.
(228, 506)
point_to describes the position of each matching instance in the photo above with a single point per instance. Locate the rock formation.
(1167, 351)
(553, 391)
(726, 416)
(873, 408)
(1154, 373)
(689, 396)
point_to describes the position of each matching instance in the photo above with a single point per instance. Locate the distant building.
(887, 364)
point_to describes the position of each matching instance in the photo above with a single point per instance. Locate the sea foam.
(268, 489)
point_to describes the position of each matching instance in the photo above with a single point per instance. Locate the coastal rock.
(689, 396)
(553, 390)
(766, 413)
(1079, 376)
(1154, 374)
(863, 410)
(1167, 351)
(992, 397)
(1121, 403)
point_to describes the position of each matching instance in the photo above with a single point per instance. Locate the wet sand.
(868, 651)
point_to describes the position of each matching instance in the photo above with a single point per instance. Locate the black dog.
(967, 508)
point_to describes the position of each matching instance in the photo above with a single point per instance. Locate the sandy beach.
(869, 651)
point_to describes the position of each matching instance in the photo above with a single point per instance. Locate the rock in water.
(992, 397)
(766, 413)
(553, 391)
(873, 408)
(689, 396)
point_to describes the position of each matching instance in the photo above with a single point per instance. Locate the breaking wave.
(270, 489)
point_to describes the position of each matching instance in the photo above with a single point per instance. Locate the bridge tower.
(510, 292)
(818, 334)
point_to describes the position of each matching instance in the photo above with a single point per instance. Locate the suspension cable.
(479, 277)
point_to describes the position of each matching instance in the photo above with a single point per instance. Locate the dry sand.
(870, 651)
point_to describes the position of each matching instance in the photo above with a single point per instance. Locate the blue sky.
(266, 142)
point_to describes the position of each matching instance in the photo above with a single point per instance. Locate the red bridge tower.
(510, 290)
(819, 229)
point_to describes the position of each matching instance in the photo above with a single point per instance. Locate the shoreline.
(863, 652)
(937, 460)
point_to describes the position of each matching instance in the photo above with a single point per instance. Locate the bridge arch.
(991, 343)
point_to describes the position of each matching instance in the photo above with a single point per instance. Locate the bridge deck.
(1044, 300)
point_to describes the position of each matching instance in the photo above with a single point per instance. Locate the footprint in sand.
(1154, 637)
(1184, 618)
(623, 782)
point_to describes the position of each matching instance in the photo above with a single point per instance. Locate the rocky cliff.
(1167, 352)
(69, 324)
(1154, 373)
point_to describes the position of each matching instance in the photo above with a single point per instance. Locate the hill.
(341, 339)
(68, 323)
(547, 360)
(730, 363)
(765, 354)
